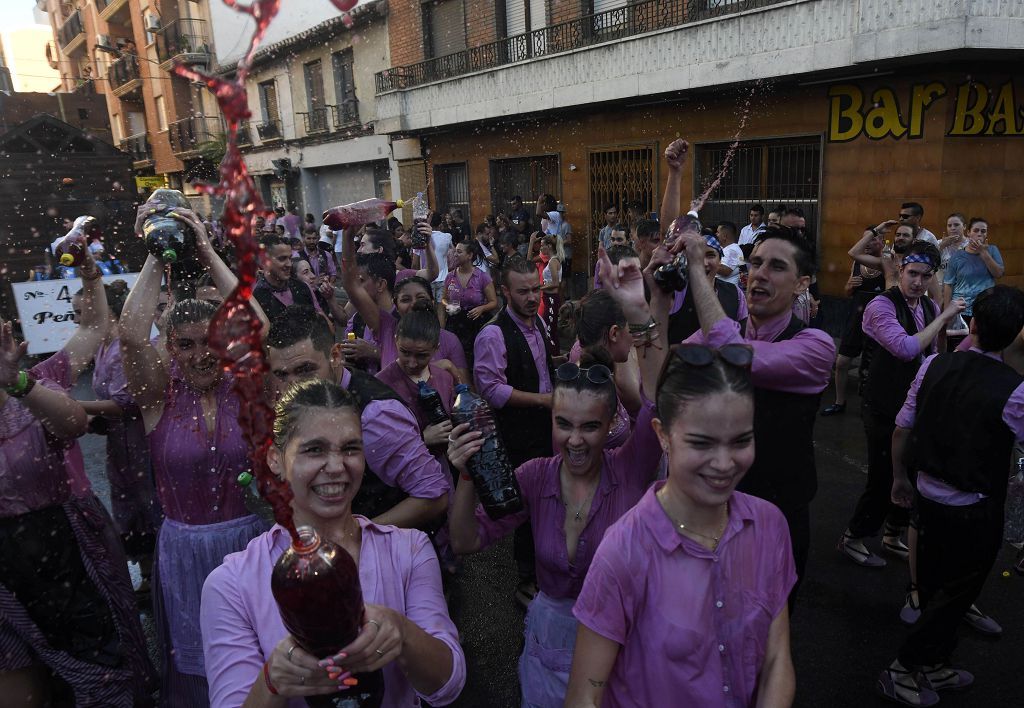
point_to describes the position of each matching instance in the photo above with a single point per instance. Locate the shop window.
(451, 188)
(622, 176)
(526, 177)
(770, 172)
(444, 24)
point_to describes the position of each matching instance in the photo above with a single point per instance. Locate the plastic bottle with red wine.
(70, 249)
(358, 213)
(316, 585)
(492, 473)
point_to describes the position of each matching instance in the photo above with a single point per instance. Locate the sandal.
(911, 611)
(895, 546)
(902, 686)
(943, 678)
(859, 554)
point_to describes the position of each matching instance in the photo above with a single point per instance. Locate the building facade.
(846, 108)
(23, 53)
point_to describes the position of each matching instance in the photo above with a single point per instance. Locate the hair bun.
(595, 356)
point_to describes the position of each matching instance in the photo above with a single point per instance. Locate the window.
(783, 171)
(316, 116)
(161, 113)
(526, 177)
(451, 188)
(621, 176)
(524, 16)
(444, 23)
(345, 88)
(268, 102)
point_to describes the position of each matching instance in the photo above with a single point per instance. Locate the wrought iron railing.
(630, 20)
(123, 70)
(185, 38)
(186, 134)
(269, 130)
(315, 120)
(138, 147)
(71, 28)
(346, 113)
(85, 86)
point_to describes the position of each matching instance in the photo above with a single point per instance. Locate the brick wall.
(482, 21)
(405, 31)
(564, 10)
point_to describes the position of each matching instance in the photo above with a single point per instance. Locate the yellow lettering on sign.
(923, 97)
(884, 118)
(845, 120)
(1004, 112)
(969, 118)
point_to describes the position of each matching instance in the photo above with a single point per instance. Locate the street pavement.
(844, 630)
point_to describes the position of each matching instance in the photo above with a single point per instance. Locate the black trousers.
(956, 549)
(799, 521)
(875, 505)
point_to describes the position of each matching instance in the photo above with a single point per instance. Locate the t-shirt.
(926, 235)
(441, 242)
(968, 276)
(553, 223)
(732, 256)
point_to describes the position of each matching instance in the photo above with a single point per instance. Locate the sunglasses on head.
(598, 374)
(740, 355)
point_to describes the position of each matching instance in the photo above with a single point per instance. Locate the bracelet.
(266, 678)
(25, 382)
(645, 327)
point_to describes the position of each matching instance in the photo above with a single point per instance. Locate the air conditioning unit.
(152, 23)
(103, 42)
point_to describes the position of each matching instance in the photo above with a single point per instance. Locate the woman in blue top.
(974, 269)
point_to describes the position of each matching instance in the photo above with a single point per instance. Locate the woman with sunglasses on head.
(687, 594)
(570, 500)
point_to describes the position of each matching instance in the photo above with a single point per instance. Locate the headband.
(919, 258)
(714, 243)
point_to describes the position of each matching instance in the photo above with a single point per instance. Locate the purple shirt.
(472, 294)
(741, 308)
(32, 471)
(320, 262)
(802, 364)
(439, 379)
(241, 622)
(880, 324)
(491, 358)
(395, 451)
(626, 473)
(109, 382)
(449, 346)
(291, 223)
(692, 623)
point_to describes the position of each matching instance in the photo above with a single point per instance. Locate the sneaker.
(943, 678)
(907, 687)
(834, 409)
(982, 622)
(911, 611)
(856, 551)
(895, 546)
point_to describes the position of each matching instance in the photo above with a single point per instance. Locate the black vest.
(375, 496)
(272, 307)
(889, 378)
(959, 436)
(526, 432)
(869, 287)
(784, 472)
(684, 322)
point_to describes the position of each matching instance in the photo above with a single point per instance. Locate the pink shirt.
(626, 474)
(880, 324)
(802, 364)
(241, 622)
(491, 358)
(692, 623)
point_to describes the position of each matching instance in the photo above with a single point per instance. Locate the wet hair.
(190, 311)
(117, 293)
(590, 318)
(473, 247)
(594, 356)
(420, 324)
(645, 228)
(617, 253)
(681, 384)
(518, 264)
(923, 248)
(976, 220)
(998, 317)
(271, 240)
(312, 393)
(415, 280)
(298, 323)
(802, 253)
(378, 266)
(384, 240)
(914, 207)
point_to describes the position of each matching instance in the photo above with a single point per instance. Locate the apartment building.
(845, 108)
(311, 142)
(125, 50)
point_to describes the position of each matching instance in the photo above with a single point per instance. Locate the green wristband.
(19, 386)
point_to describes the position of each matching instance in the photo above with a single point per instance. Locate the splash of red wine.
(731, 152)
(235, 329)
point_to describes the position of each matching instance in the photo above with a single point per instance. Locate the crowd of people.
(662, 440)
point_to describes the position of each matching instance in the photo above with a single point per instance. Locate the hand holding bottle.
(294, 672)
(463, 443)
(437, 434)
(380, 641)
(675, 154)
(953, 309)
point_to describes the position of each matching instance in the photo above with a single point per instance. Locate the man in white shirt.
(756, 225)
(441, 242)
(732, 254)
(911, 214)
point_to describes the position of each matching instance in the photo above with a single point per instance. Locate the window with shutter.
(344, 88)
(515, 17)
(605, 5)
(268, 102)
(316, 116)
(445, 25)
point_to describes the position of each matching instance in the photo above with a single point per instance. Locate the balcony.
(84, 87)
(71, 35)
(183, 42)
(269, 130)
(187, 134)
(138, 147)
(111, 10)
(315, 120)
(125, 81)
(347, 114)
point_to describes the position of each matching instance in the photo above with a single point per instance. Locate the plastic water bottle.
(70, 248)
(492, 473)
(958, 327)
(430, 404)
(673, 277)
(359, 213)
(1013, 530)
(316, 585)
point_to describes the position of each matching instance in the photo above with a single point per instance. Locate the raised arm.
(675, 159)
(81, 348)
(432, 269)
(365, 305)
(143, 367)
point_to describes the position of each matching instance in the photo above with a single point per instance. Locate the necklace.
(714, 539)
(578, 514)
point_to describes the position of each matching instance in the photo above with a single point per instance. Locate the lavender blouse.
(472, 294)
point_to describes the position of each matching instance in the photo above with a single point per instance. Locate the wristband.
(22, 385)
(466, 477)
(266, 678)
(645, 327)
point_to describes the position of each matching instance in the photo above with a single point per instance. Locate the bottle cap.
(400, 203)
(461, 388)
(244, 479)
(351, 336)
(67, 259)
(169, 256)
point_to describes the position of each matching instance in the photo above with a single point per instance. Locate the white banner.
(44, 308)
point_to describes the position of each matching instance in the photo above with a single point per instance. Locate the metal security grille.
(770, 172)
(526, 177)
(621, 176)
(451, 187)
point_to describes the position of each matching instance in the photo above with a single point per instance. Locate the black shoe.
(834, 409)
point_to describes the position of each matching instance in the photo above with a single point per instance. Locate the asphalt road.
(844, 630)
